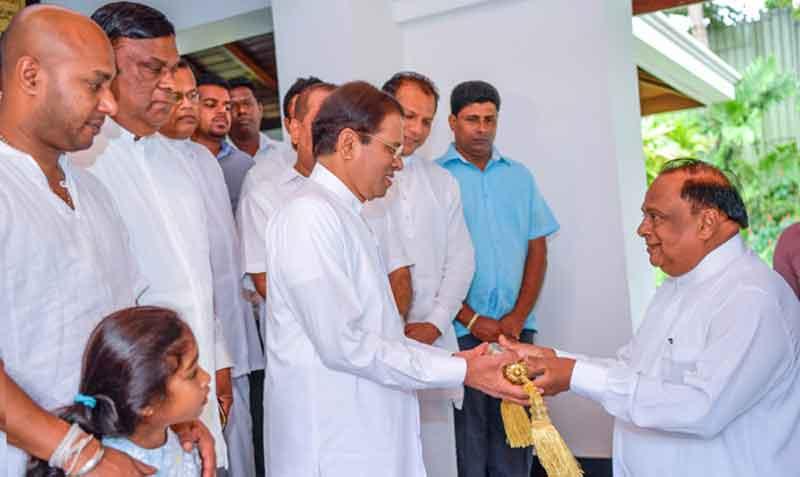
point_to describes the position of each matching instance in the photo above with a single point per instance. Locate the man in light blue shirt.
(508, 221)
(212, 131)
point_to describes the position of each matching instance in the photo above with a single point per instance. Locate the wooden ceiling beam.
(640, 7)
(247, 61)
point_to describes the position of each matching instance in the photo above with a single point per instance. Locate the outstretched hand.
(485, 373)
(526, 350)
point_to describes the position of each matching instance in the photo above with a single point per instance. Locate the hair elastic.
(87, 401)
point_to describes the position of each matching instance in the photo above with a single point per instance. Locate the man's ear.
(294, 130)
(451, 120)
(710, 218)
(29, 72)
(348, 143)
(147, 411)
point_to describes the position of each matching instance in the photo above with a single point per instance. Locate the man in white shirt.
(247, 113)
(66, 261)
(274, 157)
(268, 194)
(708, 385)
(344, 373)
(230, 305)
(425, 204)
(161, 205)
(260, 202)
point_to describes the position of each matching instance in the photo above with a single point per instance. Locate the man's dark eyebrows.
(102, 75)
(155, 60)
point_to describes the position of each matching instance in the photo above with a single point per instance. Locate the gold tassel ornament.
(536, 430)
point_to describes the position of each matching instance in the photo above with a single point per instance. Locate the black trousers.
(481, 449)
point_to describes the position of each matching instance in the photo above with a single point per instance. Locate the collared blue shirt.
(234, 164)
(225, 150)
(503, 210)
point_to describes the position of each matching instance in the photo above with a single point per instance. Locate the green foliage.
(729, 135)
(779, 4)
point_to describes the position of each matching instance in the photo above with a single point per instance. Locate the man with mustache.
(509, 221)
(160, 203)
(212, 130)
(230, 306)
(260, 202)
(247, 112)
(425, 205)
(64, 249)
(708, 385)
(273, 157)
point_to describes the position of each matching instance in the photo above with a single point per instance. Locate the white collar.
(324, 177)
(714, 262)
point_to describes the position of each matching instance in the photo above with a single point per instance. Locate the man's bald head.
(50, 33)
(57, 70)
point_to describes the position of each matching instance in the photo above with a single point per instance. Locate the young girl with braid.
(140, 376)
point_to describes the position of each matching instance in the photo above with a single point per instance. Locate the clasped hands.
(549, 373)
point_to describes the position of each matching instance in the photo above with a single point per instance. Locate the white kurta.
(709, 385)
(167, 221)
(425, 205)
(336, 351)
(263, 199)
(233, 311)
(272, 159)
(63, 271)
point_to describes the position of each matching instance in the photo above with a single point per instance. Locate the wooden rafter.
(641, 7)
(247, 61)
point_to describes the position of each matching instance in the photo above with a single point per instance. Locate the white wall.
(570, 112)
(184, 14)
(337, 41)
(200, 24)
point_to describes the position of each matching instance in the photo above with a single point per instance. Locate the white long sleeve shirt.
(232, 310)
(709, 385)
(165, 215)
(336, 351)
(62, 271)
(424, 203)
(262, 199)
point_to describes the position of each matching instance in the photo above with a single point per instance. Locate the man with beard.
(230, 306)
(212, 130)
(153, 190)
(425, 205)
(64, 249)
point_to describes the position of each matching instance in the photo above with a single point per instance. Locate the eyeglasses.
(193, 96)
(397, 151)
